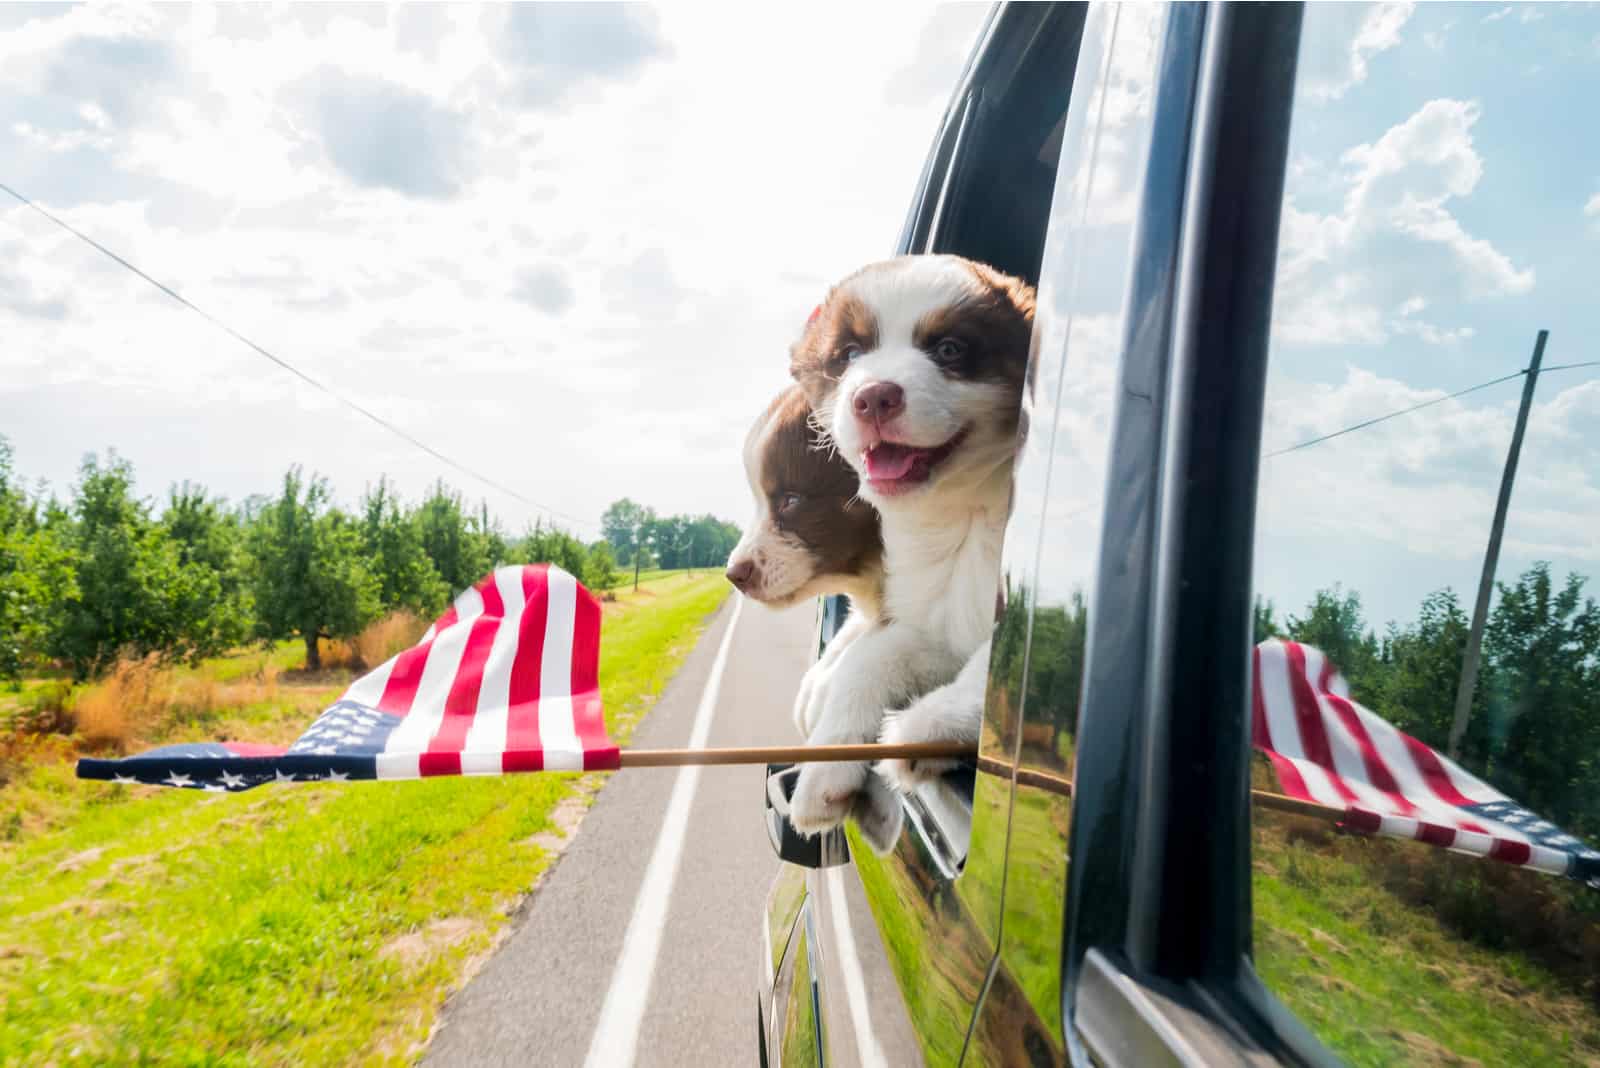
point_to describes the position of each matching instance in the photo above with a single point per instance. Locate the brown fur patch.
(840, 531)
(992, 331)
(843, 320)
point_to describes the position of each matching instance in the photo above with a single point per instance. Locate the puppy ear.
(878, 815)
(1019, 294)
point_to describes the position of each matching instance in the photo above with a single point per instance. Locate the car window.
(1052, 542)
(1442, 208)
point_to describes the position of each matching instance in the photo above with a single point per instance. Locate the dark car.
(1131, 161)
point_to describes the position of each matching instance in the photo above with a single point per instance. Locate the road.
(685, 990)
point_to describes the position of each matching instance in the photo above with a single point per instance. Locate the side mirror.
(827, 850)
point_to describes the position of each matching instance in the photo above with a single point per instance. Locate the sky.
(566, 246)
(569, 247)
(1442, 206)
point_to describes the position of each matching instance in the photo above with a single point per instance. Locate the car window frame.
(1157, 943)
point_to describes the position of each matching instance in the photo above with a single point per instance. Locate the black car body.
(1116, 730)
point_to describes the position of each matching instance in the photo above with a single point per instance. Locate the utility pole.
(1480, 610)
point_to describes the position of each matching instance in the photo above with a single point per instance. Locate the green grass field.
(289, 925)
(1381, 981)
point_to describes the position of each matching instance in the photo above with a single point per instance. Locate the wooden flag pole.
(794, 754)
(802, 754)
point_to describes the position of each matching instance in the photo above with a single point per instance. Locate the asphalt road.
(539, 999)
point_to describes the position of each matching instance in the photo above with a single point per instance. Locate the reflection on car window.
(1442, 207)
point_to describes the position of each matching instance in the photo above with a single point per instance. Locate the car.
(1131, 161)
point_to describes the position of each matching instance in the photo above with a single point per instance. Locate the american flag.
(506, 680)
(1333, 752)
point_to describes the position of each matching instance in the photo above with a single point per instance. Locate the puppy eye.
(949, 349)
(851, 353)
(788, 502)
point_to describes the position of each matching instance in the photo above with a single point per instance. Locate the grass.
(657, 574)
(1382, 981)
(308, 924)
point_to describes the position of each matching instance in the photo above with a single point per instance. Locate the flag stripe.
(443, 756)
(524, 751)
(563, 751)
(483, 748)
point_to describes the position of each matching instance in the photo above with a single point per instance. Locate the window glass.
(1051, 552)
(1442, 208)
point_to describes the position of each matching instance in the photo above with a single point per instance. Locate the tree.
(624, 525)
(1544, 713)
(36, 575)
(1334, 624)
(552, 545)
(391, 540)
(136, 594)
(208, 537)
(1424, 664)
(1264, 622)
(458, 550)
(311, 580)
(600, 569)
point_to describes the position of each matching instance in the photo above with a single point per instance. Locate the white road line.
(855, 986)
(616, 1034)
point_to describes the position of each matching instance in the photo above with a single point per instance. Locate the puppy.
(915, 369)
(811, 535)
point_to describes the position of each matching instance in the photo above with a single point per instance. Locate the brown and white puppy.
(811, 533)
(915, 368)
(812, 536)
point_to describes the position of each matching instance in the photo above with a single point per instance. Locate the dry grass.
(140, 699)
(394, 633)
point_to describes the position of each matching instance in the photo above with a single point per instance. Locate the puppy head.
(811, 535)
(915, 368)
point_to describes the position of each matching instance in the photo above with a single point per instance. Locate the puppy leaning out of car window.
(911, 373)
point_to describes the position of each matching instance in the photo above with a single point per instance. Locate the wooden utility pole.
(1480, 610)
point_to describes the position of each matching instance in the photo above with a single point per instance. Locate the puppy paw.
(878, 815)
(928, 720)
(825, 795)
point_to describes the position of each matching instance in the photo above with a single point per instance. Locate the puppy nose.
(879, 402)
(740, 573)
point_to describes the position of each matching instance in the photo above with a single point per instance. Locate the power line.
(287, 366)
(1429, 404)
(1393, 415)
(1569, 366)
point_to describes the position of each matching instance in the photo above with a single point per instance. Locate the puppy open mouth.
(893, 468)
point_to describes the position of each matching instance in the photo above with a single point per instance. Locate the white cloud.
(1337, 268)
(573, 260)
(1347, 37)
(1403, 507)
(1592, 208)
(1500, 14)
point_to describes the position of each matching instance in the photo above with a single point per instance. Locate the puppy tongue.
(888, 461)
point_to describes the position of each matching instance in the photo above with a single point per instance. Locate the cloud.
(385, 135)
(947, 39)
(21, 297)
(1592, 210)
(1407, 324)
(1500, 14)
(1336, 268)
(545, 287)
(1425, 483)
(553, 48)
(1351, 35)
(119, 76)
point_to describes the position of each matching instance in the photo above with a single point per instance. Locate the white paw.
(915, 725)
(825, 794)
